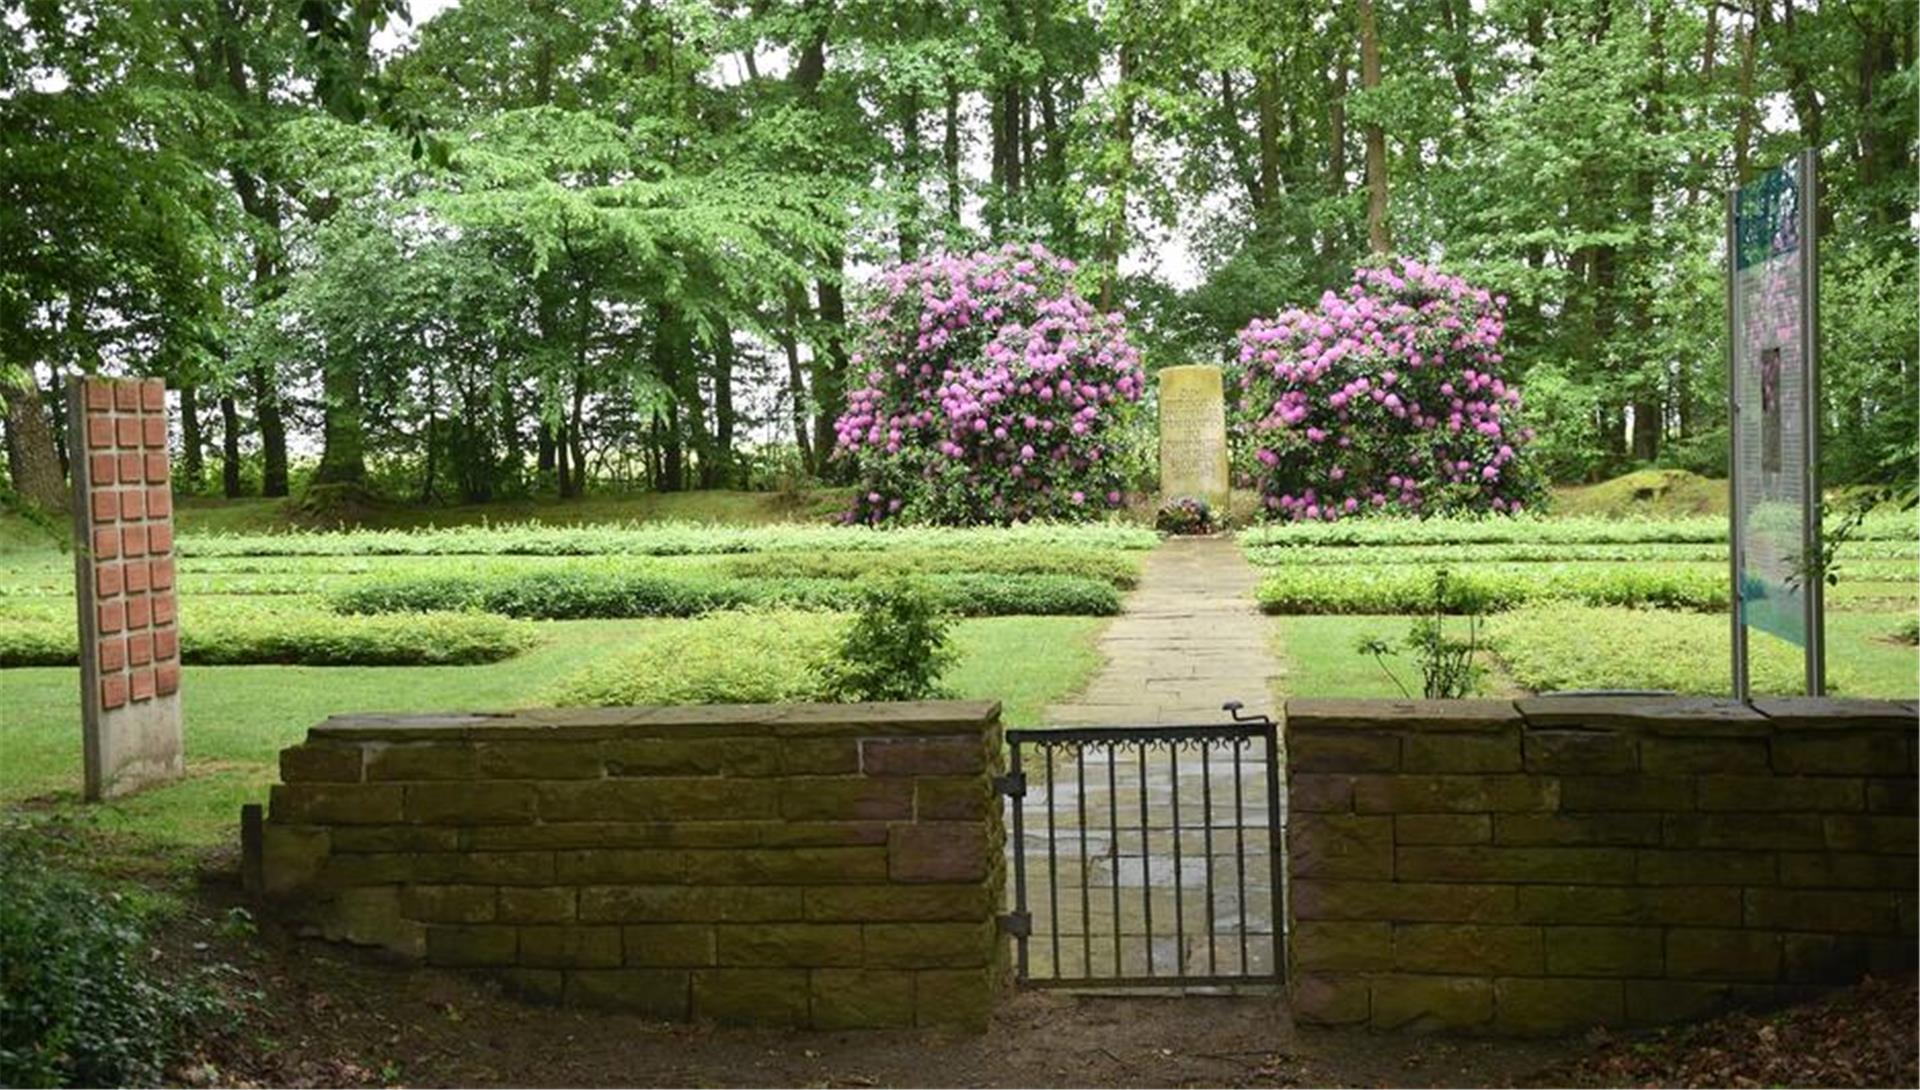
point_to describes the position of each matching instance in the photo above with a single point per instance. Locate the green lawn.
(239, 717)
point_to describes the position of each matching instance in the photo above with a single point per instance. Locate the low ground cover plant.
(1404, 588)
(736, 657)
(1469, 530)
(1888, 560)
(81, 1002)
(660, 539)
(587, 592)
(1557, 647)
(233, 632)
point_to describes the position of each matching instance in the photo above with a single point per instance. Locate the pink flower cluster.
(1384, 398)
(991, 388)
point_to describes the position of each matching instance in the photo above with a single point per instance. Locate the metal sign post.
(1773, 408)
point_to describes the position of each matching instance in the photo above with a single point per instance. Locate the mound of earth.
(1649, 492)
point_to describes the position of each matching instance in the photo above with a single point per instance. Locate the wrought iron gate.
(1146, 856)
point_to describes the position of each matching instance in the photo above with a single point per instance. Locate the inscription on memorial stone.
(1193, 435)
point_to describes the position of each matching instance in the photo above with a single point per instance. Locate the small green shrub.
(1488, 588)
(895, 649)
(1908, 631)
(723, 658)
(246, 634)
(80, 1002)
(1449, 666)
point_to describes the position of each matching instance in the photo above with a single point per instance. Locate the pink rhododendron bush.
(993, 393)
(1388, 397)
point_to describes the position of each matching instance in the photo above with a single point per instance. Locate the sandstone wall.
(1556, 863)
(819, 865)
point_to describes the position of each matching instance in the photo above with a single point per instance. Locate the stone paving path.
(1109, 891)
(1190, 638)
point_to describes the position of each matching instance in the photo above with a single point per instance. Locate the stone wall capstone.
(1547, 865)
(832, 866)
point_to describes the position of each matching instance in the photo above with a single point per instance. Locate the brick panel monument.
(124, 584)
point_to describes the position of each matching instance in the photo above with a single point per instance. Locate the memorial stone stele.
(1193, 435)
(124, 575)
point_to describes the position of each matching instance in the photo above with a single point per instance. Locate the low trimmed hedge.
(1391, 588)
(245, 635)
(1467, 530)
(575, 594)
(723, 658)
(659, 539)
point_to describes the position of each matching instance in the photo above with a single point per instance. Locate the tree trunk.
(193, 440)
(797, 383)
(909, 212)
(273, 434)
(343, 450)
(1333, 242)
(33, 460)
(1743, 122)
(229, 447)
(544, 458)
(950, 152)
(1379, 238)
(830, 360)
(716, 470)
(1267, 92)
(1114, 235)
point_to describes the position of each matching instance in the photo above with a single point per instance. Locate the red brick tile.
(99, 432)
(129, 462)
(133, 541)
(140, 648)
(133, 503)
(113, 654)
(126, 431)
(159, 534)
(166, 644)
(100, 469)
(106, 580)
(166, 678)
(99, 395)
(153, 395)
(136, 576)
(159, 502)
(113, 690)
(157, 467)
(163, 609)
(106, 506)
(126, 396)
(155, 431)
(139, 611)
(106, 544)
(110, 616)
(143, 684)
(160, 574)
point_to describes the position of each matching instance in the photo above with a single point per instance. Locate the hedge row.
(589, 592)
(657, 539)
(1562, 647)
(723, 658)
(224, 635)
(1532, 530)
(1884, 559)
(1487, 589)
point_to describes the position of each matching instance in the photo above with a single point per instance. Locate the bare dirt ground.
(313, 1014)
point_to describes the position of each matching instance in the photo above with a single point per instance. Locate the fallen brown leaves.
(1863, 1036)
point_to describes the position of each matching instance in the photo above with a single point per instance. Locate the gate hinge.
(1017, 924)
(1013, 785)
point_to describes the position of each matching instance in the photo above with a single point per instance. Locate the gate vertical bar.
(1179, 887)
(1240, 853)
(1019, 857)
(1146, 861)
(1113, 832)
(1277, 880)
(1086, 867)
(1206, 833)
(1053, 869)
